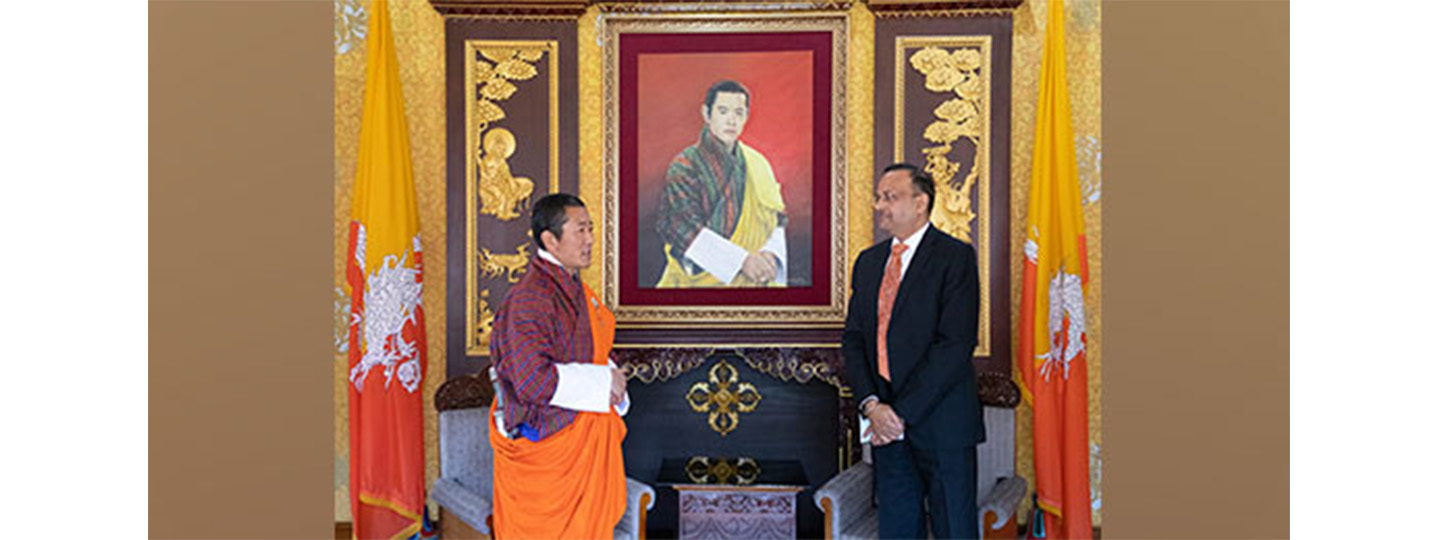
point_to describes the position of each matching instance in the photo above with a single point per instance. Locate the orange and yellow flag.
(1051, 351)
(387, 322)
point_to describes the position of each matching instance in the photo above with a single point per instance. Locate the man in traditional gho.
(556, 428)
(721, 215)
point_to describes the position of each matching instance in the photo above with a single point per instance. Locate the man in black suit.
(909, 338)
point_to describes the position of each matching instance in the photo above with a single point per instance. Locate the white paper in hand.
(865, 434)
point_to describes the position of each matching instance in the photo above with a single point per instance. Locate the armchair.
(848, 504)
(464, 488)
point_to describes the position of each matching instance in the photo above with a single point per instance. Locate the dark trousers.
(906, 476)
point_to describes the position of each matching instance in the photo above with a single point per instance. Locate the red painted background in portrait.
(663, 82)
(671, 89)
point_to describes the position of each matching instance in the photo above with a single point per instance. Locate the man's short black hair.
(725, 86)
(548, 214)
(922, 182)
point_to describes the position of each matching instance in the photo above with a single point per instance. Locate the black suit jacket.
(931, 340)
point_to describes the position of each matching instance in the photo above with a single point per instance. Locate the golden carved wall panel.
(419, 42)
(500, 65)
(495, 71)
(957, 67)
(963, 116)
(484, 315)
(502, 194)
(508, 265)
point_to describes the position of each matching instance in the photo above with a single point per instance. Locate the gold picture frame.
(610, 26)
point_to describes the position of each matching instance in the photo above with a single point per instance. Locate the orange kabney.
(570, 484)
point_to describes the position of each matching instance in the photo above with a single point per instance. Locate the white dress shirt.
(912, 243)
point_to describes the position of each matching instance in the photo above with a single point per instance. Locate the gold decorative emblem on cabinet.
(724, 397)
(702, 470)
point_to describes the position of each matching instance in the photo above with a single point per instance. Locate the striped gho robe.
(706, 188)
(543, 321)
(559, 469)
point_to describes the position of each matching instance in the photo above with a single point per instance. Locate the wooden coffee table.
(762, 509)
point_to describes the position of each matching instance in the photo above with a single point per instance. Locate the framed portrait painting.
(725, 189)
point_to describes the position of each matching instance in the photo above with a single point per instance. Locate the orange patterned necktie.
(888, 287)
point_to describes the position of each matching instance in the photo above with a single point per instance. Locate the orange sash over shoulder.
(572, 483)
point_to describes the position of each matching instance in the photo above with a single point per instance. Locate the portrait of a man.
(725, 175)
(721, 214)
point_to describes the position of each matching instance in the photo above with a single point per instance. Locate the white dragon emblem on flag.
(1067, 301)
(392, 298)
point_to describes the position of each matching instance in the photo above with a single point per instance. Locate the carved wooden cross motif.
(718, 399)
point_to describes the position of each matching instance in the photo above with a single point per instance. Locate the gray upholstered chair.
(848, 504)
(463, 490)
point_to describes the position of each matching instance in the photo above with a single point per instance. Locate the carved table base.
(759, 512)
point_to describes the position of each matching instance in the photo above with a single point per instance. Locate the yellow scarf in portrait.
(759, 214)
